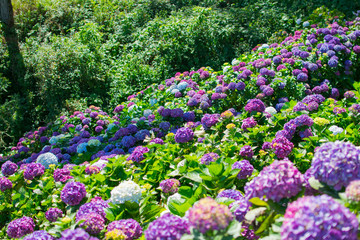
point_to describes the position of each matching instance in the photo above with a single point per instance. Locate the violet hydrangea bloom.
(279, 180)
(230, 193)
(129, 227)
(207, 215)
(246, 169)
(242, 206)
(246, 152)
(93, 223)
(73, 193)
(282, 146)
(255, 105)
(39, 235)
(96, 205)
(184, 135)
(138, 154)
(320, 217)
(9, 168)
(62, 175)
(53, 214)
(5, 184)
(208, 158)
(170, 185)
(76, 234)
(167, 226)
(20, 227)
(33, 170)
(336, 164)
(157, 141)
(209, 120)
(248, 123)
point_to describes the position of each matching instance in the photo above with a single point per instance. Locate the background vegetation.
(81, 52)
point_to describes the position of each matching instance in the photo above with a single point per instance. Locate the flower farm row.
(265, 148)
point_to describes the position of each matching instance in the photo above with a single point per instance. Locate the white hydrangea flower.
(46, 159)
(174, 91)
(153, 101)
(147, 112)
(235, 62)
(126, 191)
(336, 130)
(100, 164)
(298, 21)
(55, 139)
(226, 69)
(306, 24)
(183, 85)
(272, 111)
(94, 143)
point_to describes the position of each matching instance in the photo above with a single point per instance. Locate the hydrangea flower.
(353, 191)
(255, 105)
(73, 193)
(46, 159)
(282, 146)
(96, 206)
(167, 226)
(33, 170)
(126, 191)
(5, 184)
(93, 223)
(20, 227)
(184, 135)
(279, 180)
(242, 206)
(39, 235)
(320, 217)
(207, 215)
(248, 123)
(336, 130)
(9, 168)
(208, 158)
(94, 143)
(246, 152)
(336, 164)
(62, 175)
(129, 227)
(246, 169)
(76, 234)
(209, 120)
(81, 148)
(53, 214)
(170, 185)
(138, 154)
(230, 193)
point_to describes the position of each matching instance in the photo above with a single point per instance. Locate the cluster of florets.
(320, 217)
(93, 222)
(336, 164)
(246, 152)
(230, 193)
(167, 226)
(184, 135)
(53, 214)
(208, 158)
(5, 184)
(279, 180)
(130, 228)
(246, 169)
(9, 168)
(170, 185)
(282, 146)
(33, 170)
(241, 206)
(207, 215)
(126, 191)
(255, 105)
(73, 193)
(248, 123)
(39, 235)
(77, 233)
(353, 191)
(95, 205)
(209, 120)
(20, 227)
(62, 175)
(138, 154)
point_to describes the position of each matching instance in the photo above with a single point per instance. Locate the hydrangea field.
(266, 148)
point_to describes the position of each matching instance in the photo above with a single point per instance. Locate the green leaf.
(258, 202)
(266, 224)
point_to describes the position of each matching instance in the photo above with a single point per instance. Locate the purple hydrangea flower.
(141, 135)
(320, 217)
(207, 215)
(242, 207)
(53, 214)
(177, 112)
(73, 193)
(246, 169)
(129, 227)
(90, 170)
(282, 147)
(128, 141)
(208, 158)
(138, 154)
(189, 116)
(248, 123)
(157, 141)
(5, 184)
(39, 235)
(246, 152)
(255, 105)
(336, 164)
(33, 170)
(9, 168)
(184, 135)
(230, 193)
(167, 226)
(248, 234)
(170, 185)
(93, 223)
(95, 206)
(62, 175)
(209, 120)
(20, 227)
(76, 234)
(279, 180)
